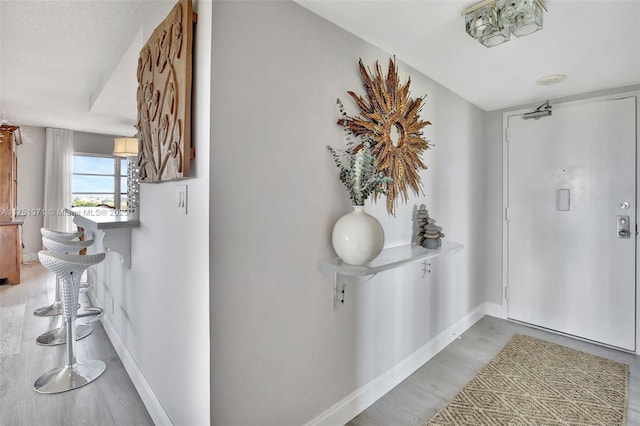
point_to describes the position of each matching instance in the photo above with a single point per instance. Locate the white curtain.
(58, 169)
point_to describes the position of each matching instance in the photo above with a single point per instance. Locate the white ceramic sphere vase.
(357, 237)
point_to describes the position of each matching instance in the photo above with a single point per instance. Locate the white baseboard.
(345, 410)
(149, 399)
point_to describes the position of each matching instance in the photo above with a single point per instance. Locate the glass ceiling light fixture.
(491, 22)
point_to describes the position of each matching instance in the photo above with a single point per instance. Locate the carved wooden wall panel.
(164, 98)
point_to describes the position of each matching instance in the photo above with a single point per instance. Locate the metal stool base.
(49, 311)
(69, 377)
(58, 336)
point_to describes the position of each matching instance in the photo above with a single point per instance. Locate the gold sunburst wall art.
(164, 98)
(391, 118)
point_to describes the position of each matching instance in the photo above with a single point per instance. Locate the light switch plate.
(181, 199)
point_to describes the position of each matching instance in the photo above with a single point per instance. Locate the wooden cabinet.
(11, 248)
(10, 228)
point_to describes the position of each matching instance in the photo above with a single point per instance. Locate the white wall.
(493, 207)
(31, 188)
(93, 143)
(160, 318)
(280, 354)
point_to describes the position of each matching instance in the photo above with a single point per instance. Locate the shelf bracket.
(426, 268)
(339, 289)
(338, 293)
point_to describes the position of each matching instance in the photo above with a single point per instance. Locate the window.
(99, 179)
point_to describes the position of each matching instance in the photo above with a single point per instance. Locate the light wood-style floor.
(113, 400)
(110, 400)
(430, 388)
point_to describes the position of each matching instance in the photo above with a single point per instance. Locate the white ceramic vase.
(357, 237)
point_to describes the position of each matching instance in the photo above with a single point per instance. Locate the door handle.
(622, 228)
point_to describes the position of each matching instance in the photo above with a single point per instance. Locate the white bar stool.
(68, 236)
(58, 336)
(56, 307)
(73, 374)
(61, 245)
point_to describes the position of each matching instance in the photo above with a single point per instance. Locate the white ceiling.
(52, 58)
(71, 64)
(595, 43)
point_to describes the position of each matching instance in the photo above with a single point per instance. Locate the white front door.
(571, 193)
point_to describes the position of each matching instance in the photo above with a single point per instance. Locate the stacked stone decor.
(429, 234)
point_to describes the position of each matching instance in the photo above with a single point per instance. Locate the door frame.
(505, 193)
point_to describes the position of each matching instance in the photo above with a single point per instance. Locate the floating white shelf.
(390, 258)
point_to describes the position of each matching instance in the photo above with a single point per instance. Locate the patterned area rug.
(533, 382)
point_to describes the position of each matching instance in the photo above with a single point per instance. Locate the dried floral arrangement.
(358, 166)
(390, 121)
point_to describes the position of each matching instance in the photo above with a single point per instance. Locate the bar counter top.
(111, 228)
(103, 218)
